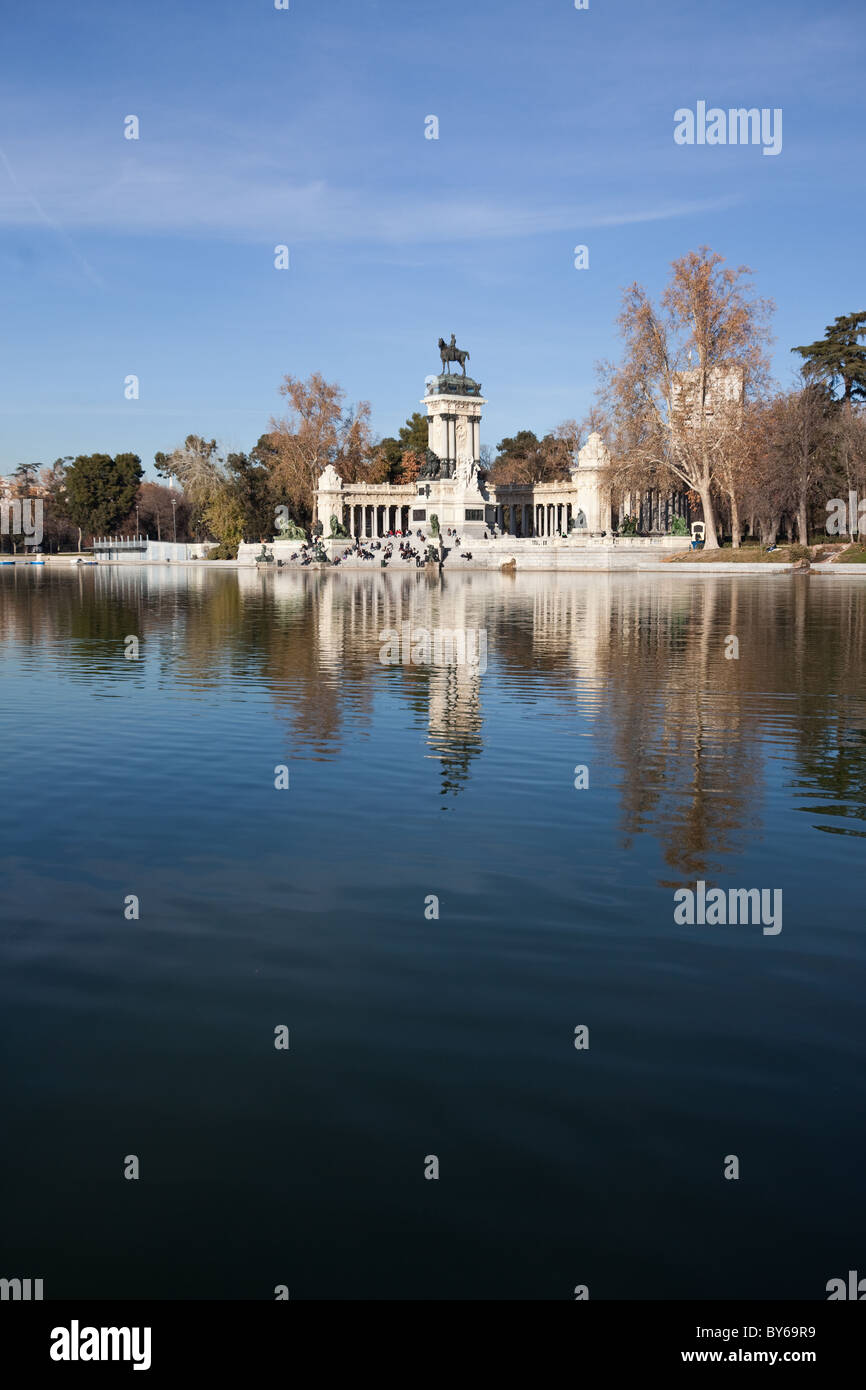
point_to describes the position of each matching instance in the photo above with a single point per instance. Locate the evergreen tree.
(249, 483)
(100, 490)
(414, 434)
(840, 356)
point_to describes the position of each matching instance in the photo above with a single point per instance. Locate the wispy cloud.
(24, 200)
(151, 193)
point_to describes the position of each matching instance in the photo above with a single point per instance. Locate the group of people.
(407, 552)
(307, 552)
(406, 549)
(359, 551)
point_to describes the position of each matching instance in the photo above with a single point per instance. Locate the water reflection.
(634, 668)
(412, 1035)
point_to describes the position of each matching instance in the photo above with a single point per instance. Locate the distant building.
(725, 387)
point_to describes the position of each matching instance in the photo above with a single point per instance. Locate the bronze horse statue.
(450, 352)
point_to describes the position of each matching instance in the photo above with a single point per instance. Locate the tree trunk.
(711, 539)
(802, 523)
(735, 523)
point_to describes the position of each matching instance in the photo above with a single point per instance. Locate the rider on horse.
(450, 352)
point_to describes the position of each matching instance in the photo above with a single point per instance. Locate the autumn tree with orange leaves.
(318, 429)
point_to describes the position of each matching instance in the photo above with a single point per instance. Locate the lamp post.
(174, 517)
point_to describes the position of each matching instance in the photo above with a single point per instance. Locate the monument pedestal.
(455, 494)
(329, 499)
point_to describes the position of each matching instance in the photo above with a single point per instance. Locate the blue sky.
(305, 127)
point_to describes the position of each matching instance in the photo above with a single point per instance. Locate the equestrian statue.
(450, 352)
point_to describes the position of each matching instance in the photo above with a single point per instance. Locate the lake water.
(412, 1035)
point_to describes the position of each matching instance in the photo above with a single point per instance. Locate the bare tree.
(736, 466)
(197, 466)
(800, 445)
(318, 431)
(675, 401)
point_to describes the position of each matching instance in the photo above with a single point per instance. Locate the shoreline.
(605, 561)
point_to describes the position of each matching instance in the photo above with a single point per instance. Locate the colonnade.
(524, 516)
(543, 519)
(370, 521)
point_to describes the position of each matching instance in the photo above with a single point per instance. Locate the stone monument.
(591, 476)
(329, 498)
(453, 460)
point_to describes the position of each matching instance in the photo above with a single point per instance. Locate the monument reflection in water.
(414, 1035)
